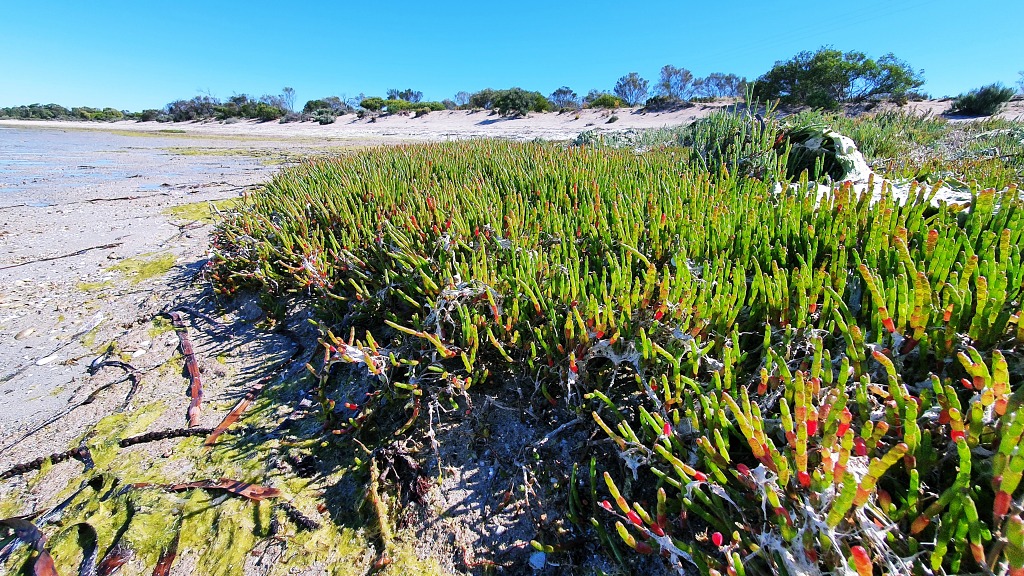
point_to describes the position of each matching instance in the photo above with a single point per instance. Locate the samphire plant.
(787, 383)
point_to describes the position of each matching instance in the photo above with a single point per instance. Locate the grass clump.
(786, 383)
(984, 101)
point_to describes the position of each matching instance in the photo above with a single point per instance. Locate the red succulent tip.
(634, 518)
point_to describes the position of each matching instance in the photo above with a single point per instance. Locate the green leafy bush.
(605, 101)
(541, 104)
(483, 99)
(828, 77)
(984, 101)
(661, 103)
(331, 103)
(373, 104)
(394, 106)
(513, 102)
(267, 112)
(324, 116)
(94, 114)
(313, 105)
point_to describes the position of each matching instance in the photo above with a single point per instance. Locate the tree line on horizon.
(824, 79)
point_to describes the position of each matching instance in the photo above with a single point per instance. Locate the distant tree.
(514, 102)
(564, 97)
(828, 77)
(36, 112)
(314, 105)
(449, 104)
(409, 95)
(331, 103)
(355, 101)
(675, 83)
(719, 85)
(462, 99)
(632, 89)
(275, 100)
(336, 105)
(1020, 83)
(482, 99)
(203, 106)
(288, 98)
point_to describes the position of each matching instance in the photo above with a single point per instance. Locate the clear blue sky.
(135, 55)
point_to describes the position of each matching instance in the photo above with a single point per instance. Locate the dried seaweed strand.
(133, 375)
(191, 366)
(163, 435)
(81, 454)
(298, 517)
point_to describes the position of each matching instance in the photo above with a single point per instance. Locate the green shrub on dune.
(984, 101)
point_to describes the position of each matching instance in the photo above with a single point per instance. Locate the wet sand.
(80, 213)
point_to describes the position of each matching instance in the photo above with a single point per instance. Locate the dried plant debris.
(191, 368)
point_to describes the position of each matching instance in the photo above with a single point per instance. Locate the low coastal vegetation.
(823, 79)
(983, 101)
(774, 379)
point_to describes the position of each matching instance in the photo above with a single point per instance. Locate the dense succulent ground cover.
(785, 382)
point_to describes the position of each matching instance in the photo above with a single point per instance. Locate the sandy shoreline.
(88, 247)
(349, 130)
(436, 126)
